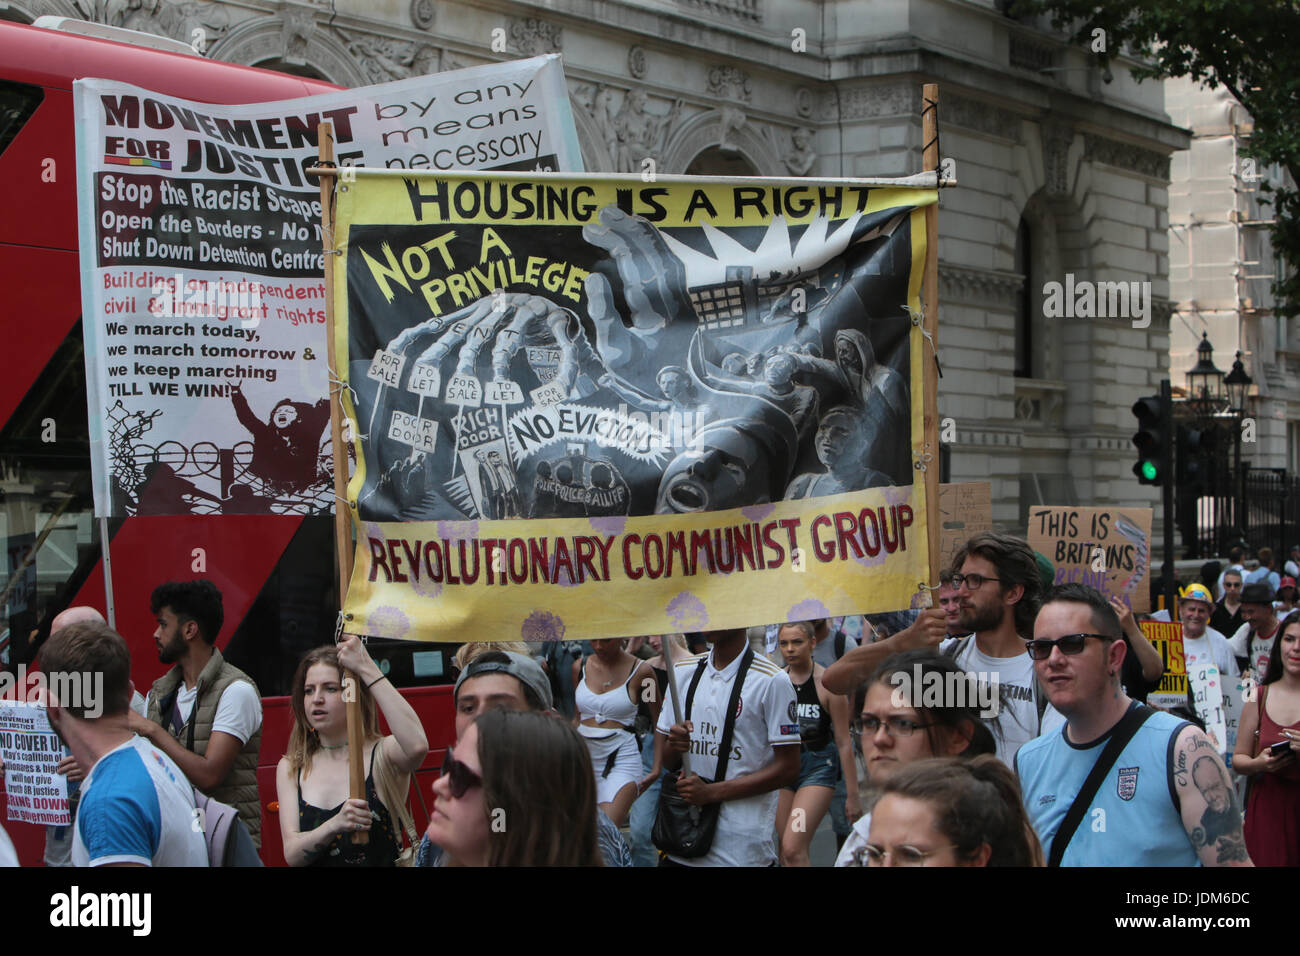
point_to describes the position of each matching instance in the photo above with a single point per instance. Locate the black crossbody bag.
(684, 829)
(1129, 725)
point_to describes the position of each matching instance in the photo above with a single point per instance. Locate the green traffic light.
(1149, 470)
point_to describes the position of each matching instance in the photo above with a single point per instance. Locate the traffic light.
(1196, 448)
(1151, 440)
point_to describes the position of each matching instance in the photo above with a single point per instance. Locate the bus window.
(18, 102)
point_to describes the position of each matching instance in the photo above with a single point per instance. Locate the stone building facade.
(1063, 167)
(1222, 267)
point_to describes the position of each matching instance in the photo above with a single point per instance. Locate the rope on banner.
(929, 105)
(338, 628)
(918, 320)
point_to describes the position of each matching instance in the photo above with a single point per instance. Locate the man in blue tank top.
(1166, 800)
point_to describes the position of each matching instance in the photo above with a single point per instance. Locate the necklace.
(325, 746)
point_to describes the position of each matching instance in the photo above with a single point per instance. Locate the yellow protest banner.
(594, 406)
(1167, 638)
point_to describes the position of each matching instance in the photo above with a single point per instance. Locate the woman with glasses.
(517, 791)
(825, 747)
(317, 818)
(952, 812)
(918, 705)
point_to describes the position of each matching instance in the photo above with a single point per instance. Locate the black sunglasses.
(460, 778)
(1041, 650)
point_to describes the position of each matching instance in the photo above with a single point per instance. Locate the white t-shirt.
(1017, 721)
(1217, 646)
(1261, 648)
(768, 718)
(239, 712)
(137, 807)
(856, 840)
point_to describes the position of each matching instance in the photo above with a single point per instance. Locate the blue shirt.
(1134, 820)
(137, 807)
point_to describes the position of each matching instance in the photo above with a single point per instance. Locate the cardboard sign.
(965, 509)
(30, 751)
(1106, 548)
(1167, 637)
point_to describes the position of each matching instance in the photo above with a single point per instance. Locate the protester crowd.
(1003, 726)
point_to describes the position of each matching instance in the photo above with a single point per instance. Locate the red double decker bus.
(276, 573)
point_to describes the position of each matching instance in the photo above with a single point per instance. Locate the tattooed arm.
(1210, 809)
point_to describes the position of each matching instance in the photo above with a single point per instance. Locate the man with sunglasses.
(1145, 807)
(503, 680)
(1227, 618)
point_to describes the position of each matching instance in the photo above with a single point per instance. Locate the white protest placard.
(202, 270)
(1236, 693)
(30, 751)
(1207, 695)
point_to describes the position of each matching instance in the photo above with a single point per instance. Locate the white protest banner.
(30, 751)
(203, 289)
(1236, 692)
(1207, 692)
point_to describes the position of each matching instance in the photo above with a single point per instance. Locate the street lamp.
(1237, 383)
(1205, 381)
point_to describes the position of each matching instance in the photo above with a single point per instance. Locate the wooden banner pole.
(342, 516)
(930, 326)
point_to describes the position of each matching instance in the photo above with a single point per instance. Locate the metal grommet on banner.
(920, 459)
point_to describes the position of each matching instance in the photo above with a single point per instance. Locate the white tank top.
(613, 705)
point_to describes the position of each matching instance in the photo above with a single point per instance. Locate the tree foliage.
(1251, 47)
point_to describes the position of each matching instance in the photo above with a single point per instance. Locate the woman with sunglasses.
(899, 723)
(825, 747)
(1268, 751)
(950, 812)
(317, 818)
(518, 790)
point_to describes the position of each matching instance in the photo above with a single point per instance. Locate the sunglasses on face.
(460, 778)
(1041, 650)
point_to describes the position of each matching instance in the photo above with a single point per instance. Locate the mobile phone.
(1281, 749)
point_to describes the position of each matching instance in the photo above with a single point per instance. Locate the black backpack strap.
(695, 682)
(1119, 739)
(840, 639)
(729, 725)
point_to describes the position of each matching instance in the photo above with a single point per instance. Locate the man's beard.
(975, 620)
(171, 652)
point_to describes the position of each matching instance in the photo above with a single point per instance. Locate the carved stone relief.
(532, 36)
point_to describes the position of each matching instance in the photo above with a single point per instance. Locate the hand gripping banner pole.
(342, 517)
(674, 694)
